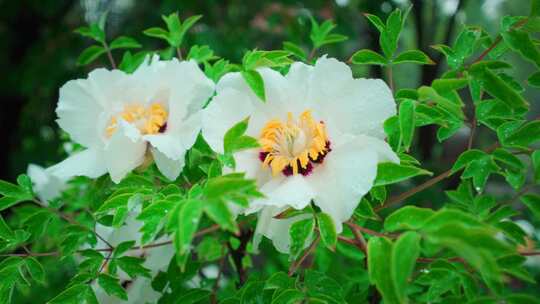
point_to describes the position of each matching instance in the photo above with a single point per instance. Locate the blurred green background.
(38, 51)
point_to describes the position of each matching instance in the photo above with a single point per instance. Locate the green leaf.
(507, 158)
(390, 173)
(463, 47)
(192, 296)
(445, 85)
(115, 202)
(220, 213)
(532, 201)
(466, 158)
(201, 53)
(76, 294)
(288, 296)
(210, 249)
(279, 280)
(7, 202)
(406, 122)
(513, 231)
(112, 286)
(534, 80)
(368, 57)
(405, 251)
(255, 82)
(5, 232)
(379, 253)
(520, 42)
(90, 54)
(535, 8)
(188, 221)
(25, 183)
(14, 191)
(295, 50)
(320, 33)
(131, 62)
(390, 36)
(234, 140)
(157, 32)
(535, 159)
(94, 31)
(186, 25)
(376, 21)
(319, 285)
(365, 210)
(122, 248)
(327, 230)
(413, 56)
(35, 269)
(133, 266)
(124, 42)
(300, 233)
(526, 135)
(408, 217)
(496, 87)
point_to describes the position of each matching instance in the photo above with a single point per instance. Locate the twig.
(398, 198)
(473, 130)
(360, 240)
(179, 53)
(294, 266)
(497, 41)
(239, 253)
(356, 227)
(111, 248)
(390, 77)
(220, 272)
(109, 55)
(311, 54)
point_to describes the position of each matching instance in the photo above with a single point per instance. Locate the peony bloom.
(139, 289)
(46, 185)
(121, 118)
(321, 136)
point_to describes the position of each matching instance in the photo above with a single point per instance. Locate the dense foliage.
(466, 248)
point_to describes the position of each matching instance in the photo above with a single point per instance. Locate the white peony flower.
(46, 185)
(321, 133)
(139, 290)
(120, 118)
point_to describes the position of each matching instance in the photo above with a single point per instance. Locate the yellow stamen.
(292, 143)
(149, 120)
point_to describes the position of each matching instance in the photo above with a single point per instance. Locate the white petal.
(167, 144)
(282, 191)
(124, 152)
(346, 175)
(175, 141)
(182, 84)
(346, 105)
(274, 83)
(46, 185)
(276, 230)
(248, 161)
(225, 110)
(170, 168)
(89, 162)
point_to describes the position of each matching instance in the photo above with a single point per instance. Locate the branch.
(497, 41)
(239, 253)
(220, 272)
(398, 198)
(110, 248)
(356, 227)
(109, 55)
(297, 263)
